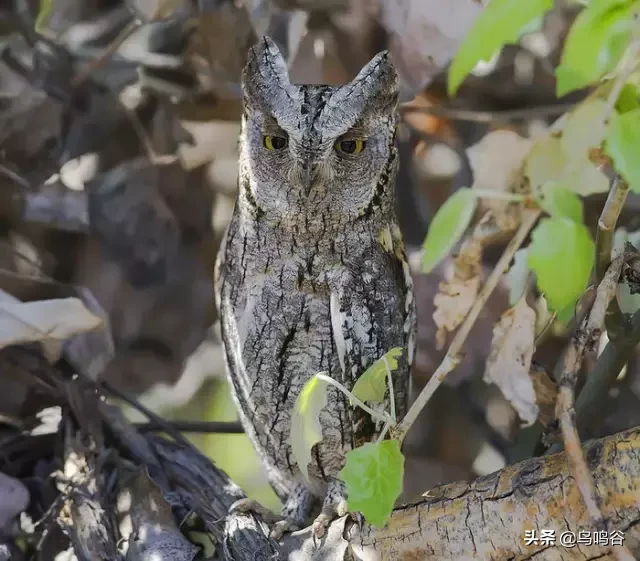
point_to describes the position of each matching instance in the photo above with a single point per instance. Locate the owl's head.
(317, 149)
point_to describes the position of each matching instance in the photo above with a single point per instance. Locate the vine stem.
(384, 417)
(452, 358)
(392, 401)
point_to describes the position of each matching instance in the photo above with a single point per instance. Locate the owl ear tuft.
(378, 74)
(264, 71)
(377, 83)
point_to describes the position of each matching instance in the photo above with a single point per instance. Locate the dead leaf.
(457, 294)
(509, 361)
(546, 392)
(452, 304)
(45, 321)
(496, 162)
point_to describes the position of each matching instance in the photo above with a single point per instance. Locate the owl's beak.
(309, 176)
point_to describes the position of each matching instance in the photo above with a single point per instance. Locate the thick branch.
(487, 519)
(482, 520)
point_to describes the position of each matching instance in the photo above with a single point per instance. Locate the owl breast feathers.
(312, 275)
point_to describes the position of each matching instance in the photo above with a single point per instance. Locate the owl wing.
(218, 269)
(371, 314)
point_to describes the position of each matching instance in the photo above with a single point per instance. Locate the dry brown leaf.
(46, 321)
(452, 303)
(496, 162)
(546, 392)
(509, 361)
(457, 294)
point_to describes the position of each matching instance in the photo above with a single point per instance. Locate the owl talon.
(280, 528)
(334, 506)
(251, 506)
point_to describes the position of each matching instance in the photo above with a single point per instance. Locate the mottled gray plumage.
(312, 275)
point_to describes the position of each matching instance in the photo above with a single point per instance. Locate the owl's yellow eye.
(350, 146)
(275, 142)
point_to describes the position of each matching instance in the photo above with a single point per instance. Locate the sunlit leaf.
(447, 227)
(584, 129)
(372, 385)
(595, 43)
(622, 144)
(306, 429)
(564, 157)
(546, 162)
(561, 254)
(500, 23)
(558, 201)
(373, 476)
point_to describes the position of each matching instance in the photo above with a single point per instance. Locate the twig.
(614, 319)
(454, 114)
(159, 421)
(205, 427)
(452, 358)
(585, 337)
(607, 225)
(94, 65)
(14, 177)
(619, 188)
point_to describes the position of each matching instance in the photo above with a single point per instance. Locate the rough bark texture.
(485, 519)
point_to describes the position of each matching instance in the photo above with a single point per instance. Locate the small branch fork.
(585, 338)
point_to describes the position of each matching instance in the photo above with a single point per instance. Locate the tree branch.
(585, 338)
(482, 520)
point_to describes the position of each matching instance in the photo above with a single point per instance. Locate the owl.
(312, 274)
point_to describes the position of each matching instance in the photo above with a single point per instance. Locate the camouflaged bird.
(312, 275)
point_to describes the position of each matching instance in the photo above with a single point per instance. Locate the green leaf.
(628, 99)
(305, 421)
(447, 227)
(46, 8)
(621, 145)
(558, 201)
(584, 129)
(517, 276)
(595, 43)
(372, 386)
(548, 162)
(566, 314)
(501, 22)
(373, 476)
(561, 255)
